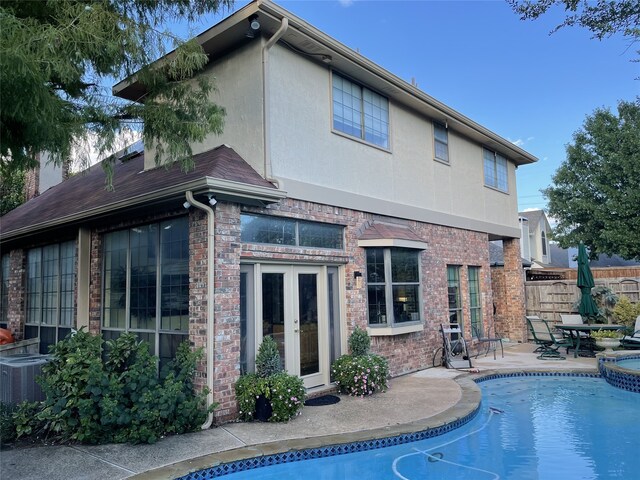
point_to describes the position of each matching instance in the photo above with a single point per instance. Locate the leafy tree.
(11, 191)
(595, 193)
(602, 18)
(56, 57)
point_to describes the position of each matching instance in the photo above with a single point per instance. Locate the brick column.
(513, 320)
(16, 315)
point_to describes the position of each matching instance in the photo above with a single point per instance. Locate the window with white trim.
(495, 170)
(441, 142)
(393, 286)
(360, 112)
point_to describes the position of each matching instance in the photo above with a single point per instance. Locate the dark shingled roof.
(86, 191)
(379, 231)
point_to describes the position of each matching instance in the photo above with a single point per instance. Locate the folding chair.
(455, 353)
(491, 342)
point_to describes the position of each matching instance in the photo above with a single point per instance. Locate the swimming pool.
(533, 427)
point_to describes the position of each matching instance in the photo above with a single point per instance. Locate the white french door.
(291, 307)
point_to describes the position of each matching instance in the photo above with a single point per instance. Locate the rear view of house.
(338, 196)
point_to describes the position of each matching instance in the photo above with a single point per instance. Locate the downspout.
(210, 298)
(266, 110)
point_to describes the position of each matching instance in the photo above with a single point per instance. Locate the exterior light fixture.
(212, 200)
(186, 205)
(254, 26)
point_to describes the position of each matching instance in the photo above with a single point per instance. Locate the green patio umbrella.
(588, 307)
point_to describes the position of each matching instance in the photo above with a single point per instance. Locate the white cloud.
(520, 142)
(346, 3)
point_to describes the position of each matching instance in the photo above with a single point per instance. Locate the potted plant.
(269, 394)
(607, 339)
(360, 373)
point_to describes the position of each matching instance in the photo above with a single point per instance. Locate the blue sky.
(478, 57)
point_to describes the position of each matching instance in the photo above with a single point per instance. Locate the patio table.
(574, 332)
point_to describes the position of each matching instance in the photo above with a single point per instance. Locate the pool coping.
(301, 448)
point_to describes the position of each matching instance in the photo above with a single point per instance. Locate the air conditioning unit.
(18, 377)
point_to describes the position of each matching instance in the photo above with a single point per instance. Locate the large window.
(146, 285)
(453, 290)
(4, 291)
(495, 170)
(393, 286)
(441, 142)
(359, 112)
(475, 302)
(289, 231)
(50, 293)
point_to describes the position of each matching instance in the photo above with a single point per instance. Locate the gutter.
(266, 103)
(210, 298)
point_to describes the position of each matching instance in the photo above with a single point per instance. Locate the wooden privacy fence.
(549, 298)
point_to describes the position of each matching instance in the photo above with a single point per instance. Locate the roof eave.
(222, 189)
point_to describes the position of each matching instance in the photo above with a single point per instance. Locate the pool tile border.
(223, 469)
(618, 376)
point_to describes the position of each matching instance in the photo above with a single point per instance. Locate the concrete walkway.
(415, 402)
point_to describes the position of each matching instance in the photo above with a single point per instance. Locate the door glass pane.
(273, 309)
(308, 317)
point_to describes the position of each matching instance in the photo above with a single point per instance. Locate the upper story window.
(50, 293)
(495, 170)
(441, 142)
(393, 286)
(360, 112)
(146, 285)
(289, 231)
(543, 238)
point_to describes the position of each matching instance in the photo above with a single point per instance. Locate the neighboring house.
(338, 196)
(534, 239)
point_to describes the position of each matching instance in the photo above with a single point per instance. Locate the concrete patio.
(414, 402)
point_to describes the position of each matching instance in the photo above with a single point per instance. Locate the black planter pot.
(263, 409)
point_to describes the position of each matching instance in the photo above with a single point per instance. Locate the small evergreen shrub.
(120, 399)
(7, 423)
(360, 373)
(268, 358)
(359, 342)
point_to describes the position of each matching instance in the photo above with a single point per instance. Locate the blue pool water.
(528, 428)
(630, 363)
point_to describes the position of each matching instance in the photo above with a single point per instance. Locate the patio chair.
(574, 320)
(632, 341)
(454, 347)
(491, 342)
(548, 343)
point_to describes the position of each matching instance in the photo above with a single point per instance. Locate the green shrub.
(359, 342)
(7, 423)
(626, 312)
(120, 399)
(285, 392)
(248, 388)
(268, 358)
(361, 375)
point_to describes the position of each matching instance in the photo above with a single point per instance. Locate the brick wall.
(16, 314)
(512, 322)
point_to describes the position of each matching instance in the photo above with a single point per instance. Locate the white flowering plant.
(361, 375)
